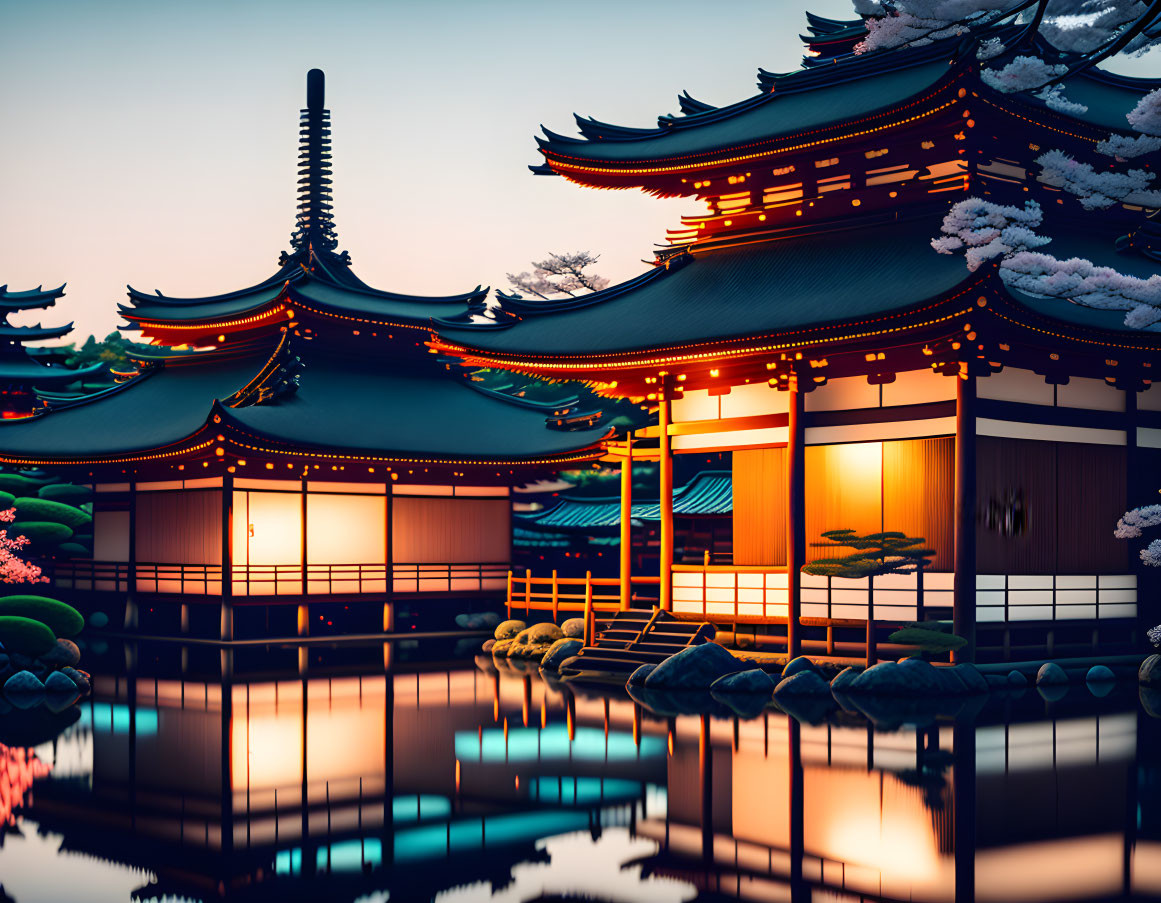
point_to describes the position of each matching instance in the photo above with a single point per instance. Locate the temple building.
(297, 440)
(860, 380)
(23, 370)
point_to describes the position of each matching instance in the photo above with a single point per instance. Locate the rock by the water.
(562, 649)
(488, 644)
(59, 683)
(80, 678)
(694, 668)
(637, 678)
(1017, 679)
(540, 635)
(1100, 674)
(24, 689)
(98, 619)
(574, 628)
(65, 654)
(844, 679)
(1053, 692)
(916, 677)
(804, 683)
(883, 678)
(1051, 675)
(808, 708)
(5, 663)
(1150, 671)
(797, 666)
(753, 681)
(997, 681)
(1150, 701)
(576, 663)
(923, 678)
(971, 678)
(744, 705)
(500, 648)
(507, 630)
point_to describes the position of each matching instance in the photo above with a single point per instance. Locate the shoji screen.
(450, 530)
(760, 506)
(844, 491)
(918, 494)
(179, 526)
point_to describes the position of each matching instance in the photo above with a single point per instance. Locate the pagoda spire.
(315, 229)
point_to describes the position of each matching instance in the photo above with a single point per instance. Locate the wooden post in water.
(527, 592)
(509, 595)
(589, 625)
(795, 518)
(964, 596)
(872, 651)
(555, 598)
(627, 523)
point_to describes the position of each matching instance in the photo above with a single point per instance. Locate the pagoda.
(299, 437)
(23, 370)
(803, 322)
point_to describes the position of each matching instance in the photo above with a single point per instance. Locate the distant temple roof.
(709, 494)
(312, 363)
(21, 371)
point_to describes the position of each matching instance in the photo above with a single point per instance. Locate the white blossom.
(1154, 635)
(988, 230)
(1145, 117)
(1055, 100)
(1151, 555)
(1097, 190)
(1133, 523)
(1024, 73)
(1087, 284)
(1124, 148)
(562, 274)
(990, 49)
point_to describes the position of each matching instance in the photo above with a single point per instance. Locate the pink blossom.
(13, 568)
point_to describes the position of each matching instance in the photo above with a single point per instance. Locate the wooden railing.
(738, 591)
(277, 579)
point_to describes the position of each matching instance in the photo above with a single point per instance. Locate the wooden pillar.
(130, 622)
(795, 519)
(963, 785)
(664, 416)
(964, 612)
(1135, 492)
(227, 619)
(389, 569)
(627, 523)
(799, 889)
(705, 776)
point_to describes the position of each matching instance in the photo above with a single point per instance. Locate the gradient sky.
(155, 143)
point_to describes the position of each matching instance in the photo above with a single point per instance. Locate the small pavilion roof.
(30, 299)
(709, 494)
(32, 373)
(33, 333)
(343, 406)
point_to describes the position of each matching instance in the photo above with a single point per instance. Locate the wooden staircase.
(633, 638)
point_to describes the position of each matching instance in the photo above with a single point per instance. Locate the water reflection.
(288, 775)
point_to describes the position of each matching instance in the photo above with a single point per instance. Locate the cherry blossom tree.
(559, 274)
(13, 568)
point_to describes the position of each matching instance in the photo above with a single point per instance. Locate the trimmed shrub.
(26, 636)
(40, 533)
(66, 493)
(933, 641)
(60, 617)
(19, 485)
(74, 550)
(7, 499)
(29, 509)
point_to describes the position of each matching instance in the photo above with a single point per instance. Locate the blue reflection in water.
(581, 791)
(527, 743)
(478, 833)
(417, 808)
(104, 717)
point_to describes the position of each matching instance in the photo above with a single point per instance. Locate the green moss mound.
(25, 635)
(73, 550)
(935, 641)
(61, 618)
(30, 509)
(40, 533)
(66, 493)
(19, 485)
(7, 500)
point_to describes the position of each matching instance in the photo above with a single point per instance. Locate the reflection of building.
(1040, 810)
(298, 437)
(332, 787)
(277, 787)
(860, 379)
(24, 370)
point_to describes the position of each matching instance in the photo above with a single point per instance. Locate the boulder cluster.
(545, 644)
(38, 658)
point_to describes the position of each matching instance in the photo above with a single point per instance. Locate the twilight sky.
(155, 143)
